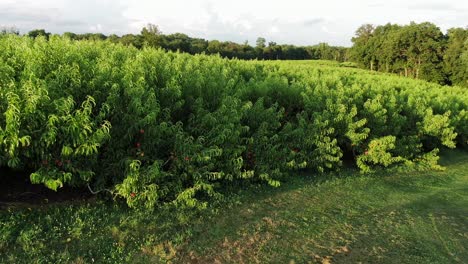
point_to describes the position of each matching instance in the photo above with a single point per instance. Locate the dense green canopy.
(415, 50)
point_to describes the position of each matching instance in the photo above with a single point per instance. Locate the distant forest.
(420, 51)
(151, 36)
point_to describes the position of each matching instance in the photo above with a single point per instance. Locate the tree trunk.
(419, 67)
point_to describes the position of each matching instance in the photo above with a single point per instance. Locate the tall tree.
(70, 35)
(198, 45)
(113, 38)
(177, 41)
(362, 52)
(133, 40)
(383, 44)
(454, 66)
(152, 36)
(260, 43)
(424, 50)
(214, 47)
(259, 47)
(464, 65)
(38, 32)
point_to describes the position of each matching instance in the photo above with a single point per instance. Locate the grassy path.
(398, 218)
(395, 218)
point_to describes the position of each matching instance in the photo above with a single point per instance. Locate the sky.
(298, 22)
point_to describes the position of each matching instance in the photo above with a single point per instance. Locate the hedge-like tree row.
(157, 127)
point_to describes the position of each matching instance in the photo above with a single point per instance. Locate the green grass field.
(418, 217)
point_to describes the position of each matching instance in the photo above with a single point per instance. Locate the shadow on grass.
(247, 209)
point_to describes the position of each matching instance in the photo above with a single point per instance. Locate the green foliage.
(378, 153)
(389, 217)
(415, 50)
(456, 56)
(151, 36)
(156, 128)
(38, 33)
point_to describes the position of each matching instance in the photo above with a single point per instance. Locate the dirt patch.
(17, 189)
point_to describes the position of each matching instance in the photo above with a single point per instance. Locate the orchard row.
(156, 127)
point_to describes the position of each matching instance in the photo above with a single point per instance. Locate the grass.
(417, 217)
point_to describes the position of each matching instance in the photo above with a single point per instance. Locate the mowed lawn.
(411, 217)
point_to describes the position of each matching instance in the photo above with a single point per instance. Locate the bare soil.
(16, 189)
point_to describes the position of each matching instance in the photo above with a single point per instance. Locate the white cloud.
(299, 22)
(274, 30)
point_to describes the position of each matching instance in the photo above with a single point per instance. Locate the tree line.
(417, 50)
(151, 36)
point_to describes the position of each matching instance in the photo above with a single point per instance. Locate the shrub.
(157, 127)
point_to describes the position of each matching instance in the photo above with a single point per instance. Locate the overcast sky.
(300, 22)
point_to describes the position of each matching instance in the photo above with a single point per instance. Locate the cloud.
(68, 15)
(214, 24)
(26, 15)
(274, 30)
(72, 23)
(435, 7)
(314, 21)
(300, 22)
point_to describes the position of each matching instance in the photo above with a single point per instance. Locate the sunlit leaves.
(152, 127)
